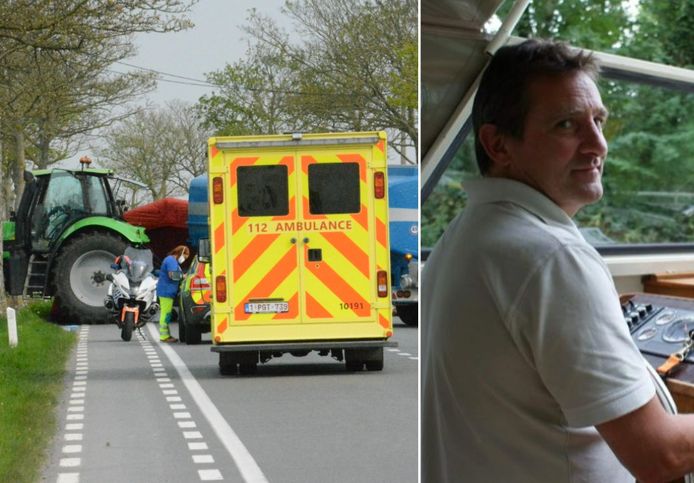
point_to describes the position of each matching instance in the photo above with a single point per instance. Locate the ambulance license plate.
(266, 307)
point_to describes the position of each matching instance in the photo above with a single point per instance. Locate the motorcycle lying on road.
(132, 294)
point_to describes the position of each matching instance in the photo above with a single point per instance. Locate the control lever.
(676, 358)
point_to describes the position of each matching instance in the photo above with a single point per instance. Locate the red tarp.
(165, 222)
(167, 212)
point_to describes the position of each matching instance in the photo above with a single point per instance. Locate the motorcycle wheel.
(126, 332)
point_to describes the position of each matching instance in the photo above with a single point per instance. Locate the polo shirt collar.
(493, 190)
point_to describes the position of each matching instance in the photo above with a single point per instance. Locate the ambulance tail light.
(382, 283)
(220, 284)
(379, 185)
(217, 190)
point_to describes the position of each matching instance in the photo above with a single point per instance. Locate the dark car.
(194, 300)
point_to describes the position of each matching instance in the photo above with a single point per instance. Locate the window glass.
(61, 202)
(96, 195)
(648, 177)
(64, 191)
(263, 190)
(649, 171)
(333, 188)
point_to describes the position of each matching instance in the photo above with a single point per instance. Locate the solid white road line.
(249, 469)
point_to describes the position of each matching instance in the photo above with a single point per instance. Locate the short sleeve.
(568, 323)
(169, 264)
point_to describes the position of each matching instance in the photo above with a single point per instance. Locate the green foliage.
(31, 380)
(255, 96)
(591, 24)
(354, 69)
(448, 197)
(666, 33)
(403, 95)
(446, 201)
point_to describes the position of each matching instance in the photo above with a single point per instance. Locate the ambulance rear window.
(263, 190)
(333, 188)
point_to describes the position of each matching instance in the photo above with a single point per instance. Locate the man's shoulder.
(510, 224)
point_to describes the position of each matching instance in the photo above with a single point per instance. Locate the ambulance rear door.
(340, 233)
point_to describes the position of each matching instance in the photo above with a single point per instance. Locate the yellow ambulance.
(299, 248)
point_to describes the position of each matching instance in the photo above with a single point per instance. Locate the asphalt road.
(141, 411)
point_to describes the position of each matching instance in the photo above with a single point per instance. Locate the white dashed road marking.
(246, 464)
(404, 354)
(183, 418)
(210, 475)
(75, 412)
(68, 478)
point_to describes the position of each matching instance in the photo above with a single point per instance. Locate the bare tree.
(188, 143)
(54, 77)
(162, 148)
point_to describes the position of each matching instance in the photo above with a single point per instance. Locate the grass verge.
(31, 381)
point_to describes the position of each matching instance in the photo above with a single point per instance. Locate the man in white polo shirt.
(529, 373)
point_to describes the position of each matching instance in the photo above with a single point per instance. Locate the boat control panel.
(659, 325)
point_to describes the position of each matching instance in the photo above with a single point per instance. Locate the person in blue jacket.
(167, 287)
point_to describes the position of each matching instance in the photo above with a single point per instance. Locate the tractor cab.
(57, 200)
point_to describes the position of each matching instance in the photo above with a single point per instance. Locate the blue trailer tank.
(197, 210)
(403, 201)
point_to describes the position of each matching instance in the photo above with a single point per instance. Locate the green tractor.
(62, 240)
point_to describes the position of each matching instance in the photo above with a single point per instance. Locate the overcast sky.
(216, 40)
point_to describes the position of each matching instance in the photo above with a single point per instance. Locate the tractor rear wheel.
(193, 333)
(80, 276)
(408, 314)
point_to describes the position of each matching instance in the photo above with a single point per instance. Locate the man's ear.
(495, 144)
